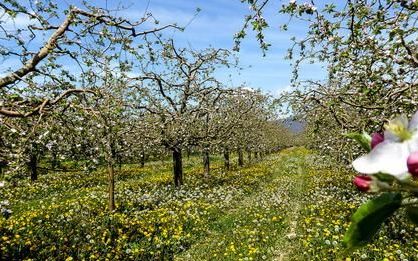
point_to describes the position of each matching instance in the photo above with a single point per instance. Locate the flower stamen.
(399, 128)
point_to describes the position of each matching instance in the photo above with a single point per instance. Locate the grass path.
(289, 244)
(269, 214)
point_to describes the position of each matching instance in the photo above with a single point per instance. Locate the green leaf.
(363, 139)
(412, 213)
(384, 177)
(366, 221)
(14, 96)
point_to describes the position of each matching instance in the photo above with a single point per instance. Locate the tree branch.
(40, 108)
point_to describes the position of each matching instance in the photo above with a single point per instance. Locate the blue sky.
(215, 26)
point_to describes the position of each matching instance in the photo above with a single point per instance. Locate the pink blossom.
(362, 182)
(412, 163)
(376, 139)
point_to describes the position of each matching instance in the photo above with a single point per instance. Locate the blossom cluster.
(305, 7)
(393, 152)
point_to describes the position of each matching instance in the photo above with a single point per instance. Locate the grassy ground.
(290, 206)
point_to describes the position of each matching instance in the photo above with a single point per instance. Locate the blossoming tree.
(177, 83)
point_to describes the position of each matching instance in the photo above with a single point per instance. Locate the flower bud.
(412, 163)
(362, 182)
(376, 139)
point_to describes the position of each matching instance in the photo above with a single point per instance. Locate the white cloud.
(21, 21)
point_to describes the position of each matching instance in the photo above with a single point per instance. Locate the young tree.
(177, 82)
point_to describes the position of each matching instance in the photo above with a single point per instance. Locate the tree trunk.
(111, 186)
(240, 158)
(177, 167)
(54, 161)
(256, 155)
(2, 164)
(142, 160)
(33, 166)
(226, 159)
(206, 162)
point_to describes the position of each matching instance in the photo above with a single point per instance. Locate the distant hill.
(293, 125)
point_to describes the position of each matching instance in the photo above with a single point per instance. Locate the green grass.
(291, 206)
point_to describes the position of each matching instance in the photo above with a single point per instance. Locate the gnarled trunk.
(226, 159)
(177, 167)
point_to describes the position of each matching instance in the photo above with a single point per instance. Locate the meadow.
(289, 206)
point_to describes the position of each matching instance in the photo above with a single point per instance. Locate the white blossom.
(390, 156)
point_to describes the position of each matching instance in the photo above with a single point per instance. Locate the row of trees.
(101, 91)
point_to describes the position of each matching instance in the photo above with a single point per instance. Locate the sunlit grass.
(291, 206)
